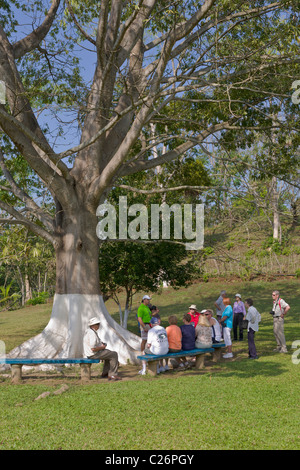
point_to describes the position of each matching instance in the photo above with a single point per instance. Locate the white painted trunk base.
(63, 336)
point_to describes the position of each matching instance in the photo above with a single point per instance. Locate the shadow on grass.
(251, 368)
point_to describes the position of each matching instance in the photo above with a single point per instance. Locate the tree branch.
(140, 165)
(24, 197)
(33, 39)
(51, 158)
(83, 32)
(176, 188)
(20, 219)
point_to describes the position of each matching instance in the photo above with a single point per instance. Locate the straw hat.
(203, 321)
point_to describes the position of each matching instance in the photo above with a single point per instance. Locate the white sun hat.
(93, 321)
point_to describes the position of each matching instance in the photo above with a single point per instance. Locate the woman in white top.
(215, 326)
(253, 317)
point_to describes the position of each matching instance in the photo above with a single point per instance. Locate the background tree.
(146, 56)
(153, 264)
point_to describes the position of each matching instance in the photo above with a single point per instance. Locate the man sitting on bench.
(157, 341)
(95, 349)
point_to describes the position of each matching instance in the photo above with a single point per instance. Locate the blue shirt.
(188, 337)
(228, 312)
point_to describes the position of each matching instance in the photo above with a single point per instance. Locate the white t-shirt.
(158, 339)
(90, 340)
(253, 317)
(216, 330)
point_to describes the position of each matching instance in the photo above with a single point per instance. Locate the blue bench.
(152, 359)
(17, 363)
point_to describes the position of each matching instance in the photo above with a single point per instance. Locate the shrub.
(41, 298)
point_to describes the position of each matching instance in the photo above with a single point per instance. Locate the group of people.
(239, 314)
(235, 317)
(199, 330)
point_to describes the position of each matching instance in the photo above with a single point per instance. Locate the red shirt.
(194, 317)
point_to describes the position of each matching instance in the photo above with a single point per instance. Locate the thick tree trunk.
(77, 270)
(78, 299)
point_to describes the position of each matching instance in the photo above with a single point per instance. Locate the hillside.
(248, 250)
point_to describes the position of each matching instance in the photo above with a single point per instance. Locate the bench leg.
(85, 372)
(16, 373)
(152, 367)
(216, 356)
(200, 361)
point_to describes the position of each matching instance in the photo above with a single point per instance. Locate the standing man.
(144, 316)
(279, 310)
(94, 348)
(219, 304)
(253, 317)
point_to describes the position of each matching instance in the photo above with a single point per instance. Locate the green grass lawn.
(239, 404)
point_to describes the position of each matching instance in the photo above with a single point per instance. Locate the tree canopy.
(195, 69)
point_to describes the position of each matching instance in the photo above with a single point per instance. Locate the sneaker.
(166, 368)
(142, 372)
(113, 378)
(181, 365)
(161, 369)
(228, 355)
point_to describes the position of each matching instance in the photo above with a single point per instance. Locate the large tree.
(164, 75)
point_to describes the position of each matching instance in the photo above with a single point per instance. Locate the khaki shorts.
(144, 332)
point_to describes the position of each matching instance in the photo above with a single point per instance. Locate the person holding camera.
(279, 310)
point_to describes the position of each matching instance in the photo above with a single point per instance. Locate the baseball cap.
(154, 320)
(146, 297)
